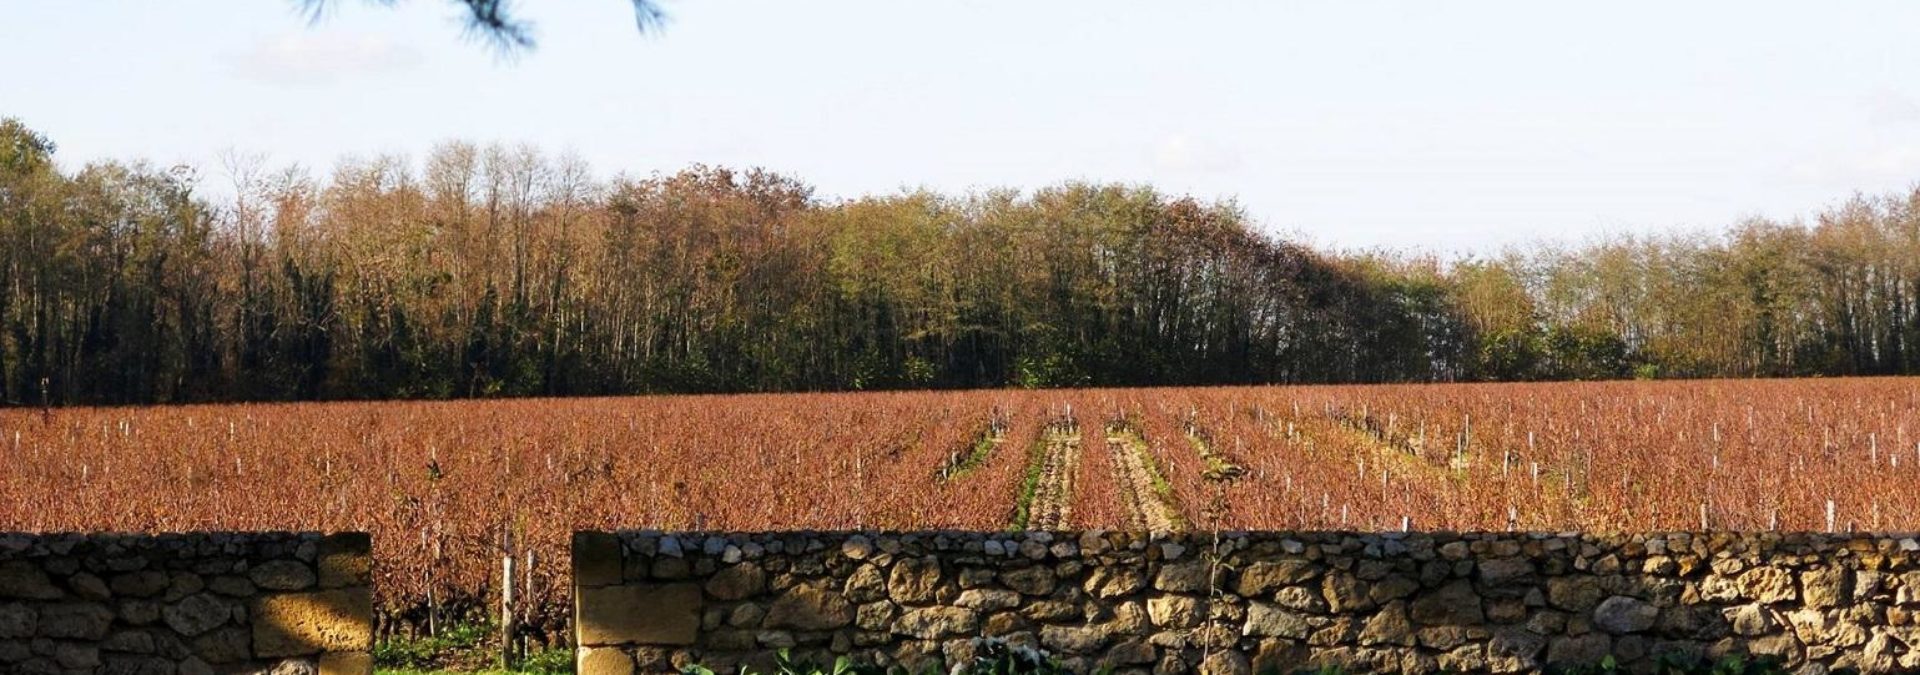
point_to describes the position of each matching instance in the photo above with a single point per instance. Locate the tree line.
(502, 271)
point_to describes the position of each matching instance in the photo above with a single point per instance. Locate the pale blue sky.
(1445, 126)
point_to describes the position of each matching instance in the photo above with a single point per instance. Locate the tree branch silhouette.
(496, 22)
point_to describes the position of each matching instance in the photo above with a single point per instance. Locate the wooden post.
(509, 624)
(526, 588)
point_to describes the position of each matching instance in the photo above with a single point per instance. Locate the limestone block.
(605, 661)
(597, 559)
(648, 614)
(300, 624)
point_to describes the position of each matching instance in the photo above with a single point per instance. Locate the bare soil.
(1133, 472)
(1052, 506)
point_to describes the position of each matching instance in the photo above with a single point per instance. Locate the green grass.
(463, 648)
(1036, 460)
(976, 457)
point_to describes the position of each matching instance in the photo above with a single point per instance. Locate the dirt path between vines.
(1133, 472)
(1052, 505)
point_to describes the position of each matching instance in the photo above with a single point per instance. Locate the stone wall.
(1418, 602)
(187, 604)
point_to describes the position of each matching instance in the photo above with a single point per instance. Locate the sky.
(1453, 128)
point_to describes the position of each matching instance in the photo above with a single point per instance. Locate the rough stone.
(856, 547)
(813, 606)
(17, 621)
(1269, 620)
(1575, 593)
(295, 667)
(198, 613)
(1186, 577)
(1029, 580)
(1050, 610)
(930, 623)
(74, 621)
(1301, 598)
(1392, 588)
(736, 582)
(1454, 604)
(142, 584)
(230, 644)
(1621, 614)
(1750, 620)
(1130, 652)
(1826, 587)
(232, 586)
(1766, 584)
(988, 599)
(1074, 640)
(1513, 650)
(1463, 659)
(133, 664)
(1226, 662)
(129, 641)
(1174, 611)
(89, 586)
(1113, 582)
(866, 584)
(1003, 623)
(1345, 592)
(1388, 626)
(282, 575)
(139, 612)
(874, 616)
(1583, 650)
(1444, 637)
(77, 656)
(1264, 577)
(914, 580)
(22, 580)
(1503, 571)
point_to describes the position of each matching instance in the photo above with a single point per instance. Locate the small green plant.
(1023, 507)
(448, 648)
(466, 648)
(1665, 664)
(992, 656)
(548, 662)
(1676, 664)
(784, 664)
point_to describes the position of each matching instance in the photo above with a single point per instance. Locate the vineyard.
(445, 487)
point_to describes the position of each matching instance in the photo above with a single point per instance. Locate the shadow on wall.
(1417, 602)
(186, 603)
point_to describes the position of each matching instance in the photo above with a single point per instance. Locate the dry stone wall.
(1246, 602)
(186, 604)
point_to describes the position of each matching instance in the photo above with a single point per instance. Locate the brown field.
(441, 484)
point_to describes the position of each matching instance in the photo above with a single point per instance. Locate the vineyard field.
(441, 485)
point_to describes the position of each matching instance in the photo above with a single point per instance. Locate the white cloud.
(318, 57)
(1892, 109)
(1861, 168)
(1184, 154)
